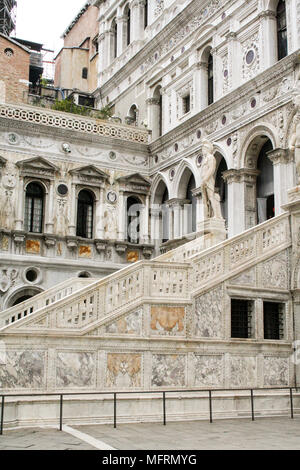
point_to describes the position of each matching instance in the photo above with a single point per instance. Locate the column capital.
(231, 176)
(248, 175)
(267, 14)
(177, 202)
(153, 101)
(280, 155)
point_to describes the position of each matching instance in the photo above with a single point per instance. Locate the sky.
(44, 21)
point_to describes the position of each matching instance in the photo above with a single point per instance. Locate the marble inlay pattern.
(23, 369)
(209, 371)
(75, 369)
(208, 314)
(276, 371)
(130, 324)
(168, 370)
(167, 320)
(123, 370)
(243, 371)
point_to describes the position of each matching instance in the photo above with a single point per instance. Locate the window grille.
(85, 214)
(241, 318)
(273, 320)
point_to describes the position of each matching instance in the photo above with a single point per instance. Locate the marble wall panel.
(23, 369)
(274, 272)
(243, 371)
(209, 371)
(276, 371)
(123, 370)
(208, 314)
(167, 320)
(75, 369)
(130, 324)
(168, 370)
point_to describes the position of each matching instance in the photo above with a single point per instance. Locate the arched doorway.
(21, 295)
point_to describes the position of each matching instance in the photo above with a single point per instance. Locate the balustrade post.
(2, 415)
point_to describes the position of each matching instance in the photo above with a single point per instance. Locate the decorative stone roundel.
(224, 120)
(253, 103)
(176, 147)
(12, 138)
(111, 197)
(229, 141)
(172, 174)
(199, 160)
(198, 134)
(250, 57)
(62, 189)
(112, 155)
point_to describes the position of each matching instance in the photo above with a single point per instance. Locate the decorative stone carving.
(110, 222)
(8, 278)
(243, 371)
(61, 220)
(211, 200)
(275, 272)
(167, 320)
(209, 371)
(7, 208)
(245, 278)
(208, 314)
(75, 369)
(23, 369)
(123, 370)
(276, 371)
(294, 143)
(130, 325)
(168, 370)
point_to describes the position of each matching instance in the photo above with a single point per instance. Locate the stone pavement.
(264, 433)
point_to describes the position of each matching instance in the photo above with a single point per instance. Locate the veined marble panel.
(167, 320)
(23, 369)
(209, 371)
(130, 324)
(243, 371)
(276, 371)
(168, 370)
(124, 370)
(75, 369)
(208, 314)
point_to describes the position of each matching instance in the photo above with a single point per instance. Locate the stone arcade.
(206, 161)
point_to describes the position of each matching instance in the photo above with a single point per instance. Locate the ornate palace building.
(194, 176)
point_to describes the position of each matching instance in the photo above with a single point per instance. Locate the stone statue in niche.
(110, 223)
(294, 144)
(61, 219)
(9, 181)
(211, 200)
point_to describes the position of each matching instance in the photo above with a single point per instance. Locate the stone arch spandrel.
(180, 171)
(159, 178)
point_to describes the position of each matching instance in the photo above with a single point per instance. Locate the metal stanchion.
(210, 407)
(2, 415)
(164, 407)
(115, 410)
(252, 405)
(61, 413)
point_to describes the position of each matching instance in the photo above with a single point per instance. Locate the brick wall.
(13, 68)
(86, 26)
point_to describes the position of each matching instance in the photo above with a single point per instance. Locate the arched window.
(265, 185)
(34, 208)
(133, 115)
(189, 196)
(281, 30)
(146, 14)
(85, 214)
(210, 80)
(114, 30)
(221, 187)
(128, 27)
(133, 219)
(84, 73)
(165, 216)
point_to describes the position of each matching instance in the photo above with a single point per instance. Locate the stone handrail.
(73, 122)
(58, 292)
(183, 253)
(113, 294)
(230, 256)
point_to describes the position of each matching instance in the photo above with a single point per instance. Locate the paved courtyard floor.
(264, 433)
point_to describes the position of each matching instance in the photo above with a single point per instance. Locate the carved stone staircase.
(81, 305)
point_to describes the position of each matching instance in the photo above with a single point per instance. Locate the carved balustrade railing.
(44, 299)
(228, 257)
(182, 253)
(74, 122)
(112, 295)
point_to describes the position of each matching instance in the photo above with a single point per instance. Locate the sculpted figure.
(211, 199)
(295, 137)
(110, 224)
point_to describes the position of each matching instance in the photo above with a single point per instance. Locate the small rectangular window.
(186, 104)
(241, 318)
(273, 320)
